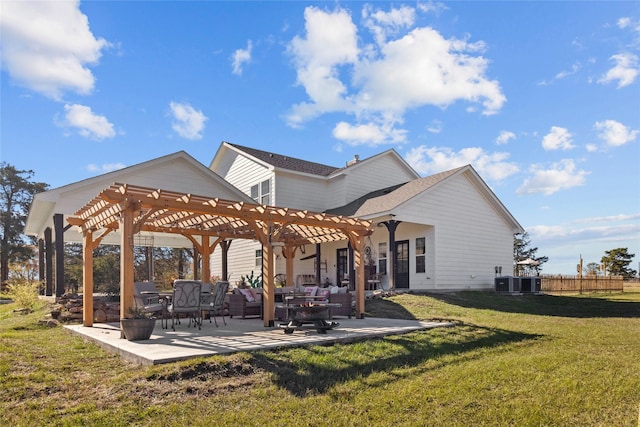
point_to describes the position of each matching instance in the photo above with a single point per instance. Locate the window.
(382, 258)
(258, 257)
(420, 255)
(261, 192)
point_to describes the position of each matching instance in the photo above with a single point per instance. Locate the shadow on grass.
(544, 305)
(317, 369)
(387, 308)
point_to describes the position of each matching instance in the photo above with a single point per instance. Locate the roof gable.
(68, 198)
(384, 202)
(391, 153)
(403, 193)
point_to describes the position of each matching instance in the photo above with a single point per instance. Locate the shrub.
(24, 293)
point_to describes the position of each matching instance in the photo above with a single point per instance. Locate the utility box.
(531, 285)
(507, 284)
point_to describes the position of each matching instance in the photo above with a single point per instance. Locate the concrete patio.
(186, 342)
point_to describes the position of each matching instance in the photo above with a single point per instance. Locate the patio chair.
(146, 297)
(214, 302)
(185, 300)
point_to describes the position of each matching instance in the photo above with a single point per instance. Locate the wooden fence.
(562, 283)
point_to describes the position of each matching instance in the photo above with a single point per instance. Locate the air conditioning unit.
(507, 284)
(531, 285)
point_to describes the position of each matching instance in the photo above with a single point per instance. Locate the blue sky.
(542, 98)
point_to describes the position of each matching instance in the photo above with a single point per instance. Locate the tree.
(592, 269)
(16, 194)
(616, 262)
(522, 250)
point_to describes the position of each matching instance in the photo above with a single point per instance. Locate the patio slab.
(166, 345)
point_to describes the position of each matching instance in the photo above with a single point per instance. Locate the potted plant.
(138, 326)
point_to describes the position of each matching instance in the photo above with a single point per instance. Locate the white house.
(442, 232)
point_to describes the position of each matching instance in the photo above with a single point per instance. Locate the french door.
(401, 264)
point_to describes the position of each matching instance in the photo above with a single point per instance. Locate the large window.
(382, 258)
(420, 255)
(261, 192)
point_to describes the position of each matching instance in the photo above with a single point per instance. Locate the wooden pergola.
(207, 222)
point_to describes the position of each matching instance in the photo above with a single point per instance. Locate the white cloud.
(47, 45)
(625, 71)
(560, 176)
(562, 74)
(429, 160)
(331, 40)
(397, 73)
(89, 125)
(615, 133)
(504, 137)
(105, 167)
(557, 138)
(240, 57)
(187, 121)
(368, 134)
(435, 127)
(384, 24)
(432, 6)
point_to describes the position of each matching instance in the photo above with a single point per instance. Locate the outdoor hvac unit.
(531, 285)
(507, 284)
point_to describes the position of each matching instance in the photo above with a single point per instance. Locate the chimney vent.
(356, 159)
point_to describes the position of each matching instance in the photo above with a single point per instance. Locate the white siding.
(301, 192)
(240, 261)
(470, 238)
(243, 173)
(370, 175)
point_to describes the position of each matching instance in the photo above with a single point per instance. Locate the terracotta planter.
(137, 329)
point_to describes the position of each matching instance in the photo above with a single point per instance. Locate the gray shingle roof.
(351, 208)
(287, 162)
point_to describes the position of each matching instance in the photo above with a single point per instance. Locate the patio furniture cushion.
(247, 294)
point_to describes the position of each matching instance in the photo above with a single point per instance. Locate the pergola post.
(87, 278)
(268, 294)
(126, 260)
(359, 266)
(206, 252)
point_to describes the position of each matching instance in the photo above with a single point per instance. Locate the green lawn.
(510, 361)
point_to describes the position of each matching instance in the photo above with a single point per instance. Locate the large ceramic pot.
(137, 329)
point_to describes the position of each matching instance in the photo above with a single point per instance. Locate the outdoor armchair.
(146, 297)
(185, 301)
(213, 303)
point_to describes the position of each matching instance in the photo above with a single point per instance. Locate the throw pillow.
(248, 295)
(324, 293)
(310, 291)
(257, 294)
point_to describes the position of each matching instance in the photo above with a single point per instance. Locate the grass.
(534, 360)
